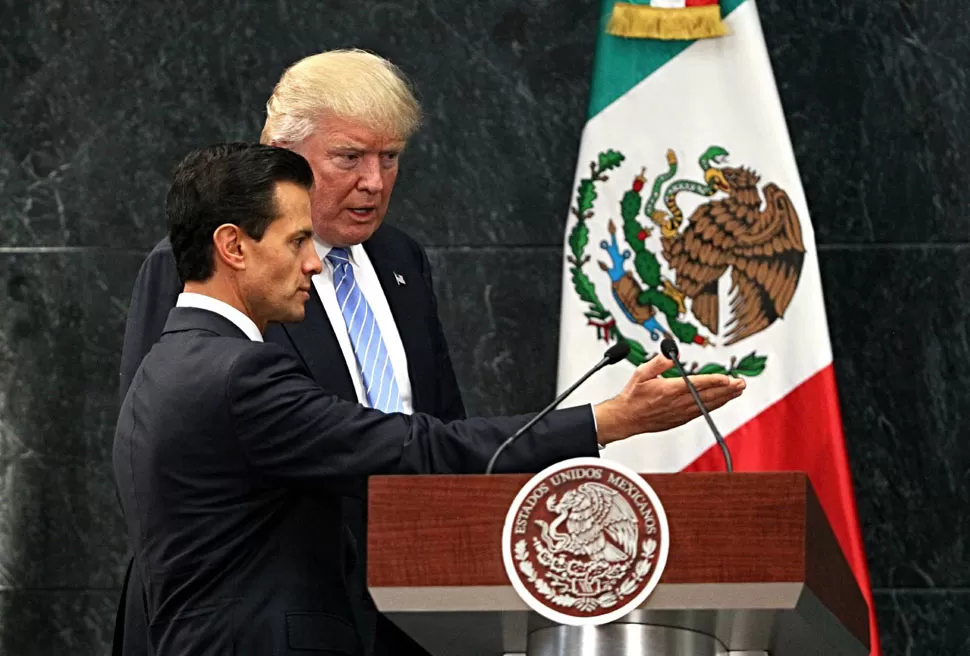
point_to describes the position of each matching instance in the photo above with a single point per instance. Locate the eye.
(389, 160)
(346, 159)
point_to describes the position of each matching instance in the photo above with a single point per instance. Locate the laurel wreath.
(750, 365)
(585, 604)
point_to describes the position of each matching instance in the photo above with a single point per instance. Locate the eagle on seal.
(600, 524)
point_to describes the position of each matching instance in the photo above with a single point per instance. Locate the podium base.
(621, 640)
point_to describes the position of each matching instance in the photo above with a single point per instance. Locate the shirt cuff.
(596, 429)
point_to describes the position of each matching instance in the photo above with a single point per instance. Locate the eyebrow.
(302, 233)
(396, 148)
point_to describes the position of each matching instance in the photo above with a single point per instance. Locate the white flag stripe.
(718, 92)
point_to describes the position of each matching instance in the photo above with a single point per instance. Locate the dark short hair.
(226, 183)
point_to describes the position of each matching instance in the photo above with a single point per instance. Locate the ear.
(227, 246)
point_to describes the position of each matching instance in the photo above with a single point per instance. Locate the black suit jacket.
(433, 386)
(225, 453)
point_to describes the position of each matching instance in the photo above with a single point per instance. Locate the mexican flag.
(688, 220)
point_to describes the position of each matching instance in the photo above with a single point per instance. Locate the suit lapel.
(400, 283)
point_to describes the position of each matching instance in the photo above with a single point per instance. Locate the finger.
(719, 381)
(736, 384)
(653, 367)
(714, 399)
(731, 391)
(708, 381)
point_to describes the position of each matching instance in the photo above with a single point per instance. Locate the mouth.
(364, 212)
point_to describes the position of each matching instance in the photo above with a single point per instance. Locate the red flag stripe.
(700, 3)
(803, 432)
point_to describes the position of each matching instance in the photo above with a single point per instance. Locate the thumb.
(653, 367)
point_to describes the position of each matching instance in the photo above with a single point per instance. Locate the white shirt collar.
(203, 302)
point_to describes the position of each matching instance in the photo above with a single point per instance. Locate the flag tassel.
(644, 22)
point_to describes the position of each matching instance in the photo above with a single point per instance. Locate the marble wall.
(99, 99)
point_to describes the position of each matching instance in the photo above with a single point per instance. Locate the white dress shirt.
(203, 302)
(370, 286)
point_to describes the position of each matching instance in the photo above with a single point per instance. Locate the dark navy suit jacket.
(433, 387)
(231, 462)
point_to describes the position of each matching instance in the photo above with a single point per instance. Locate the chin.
(361, 232)
(295, 316)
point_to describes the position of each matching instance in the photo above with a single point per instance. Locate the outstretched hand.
(649, 403)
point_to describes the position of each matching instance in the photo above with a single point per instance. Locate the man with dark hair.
(225, 184)
(231, 462)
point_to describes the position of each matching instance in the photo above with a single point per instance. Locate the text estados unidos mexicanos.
(638, 498)
(522, 517)
(619, 482)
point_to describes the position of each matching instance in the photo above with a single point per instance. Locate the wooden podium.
(753, 568)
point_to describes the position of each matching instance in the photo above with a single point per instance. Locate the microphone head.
(669, 348)
(617, 352)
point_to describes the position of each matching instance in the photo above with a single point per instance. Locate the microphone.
(669, 348)
(612, 355)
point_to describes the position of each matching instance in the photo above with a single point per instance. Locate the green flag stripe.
(620, 64)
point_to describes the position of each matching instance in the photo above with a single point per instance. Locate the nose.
(370, 179)
(312, 265)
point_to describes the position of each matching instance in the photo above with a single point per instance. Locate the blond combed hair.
(352, 84)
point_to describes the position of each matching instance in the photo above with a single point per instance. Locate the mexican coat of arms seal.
(585, 542)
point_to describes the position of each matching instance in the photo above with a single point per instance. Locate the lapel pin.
(399, 278)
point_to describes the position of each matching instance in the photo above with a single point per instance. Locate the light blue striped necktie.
(365, 336)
